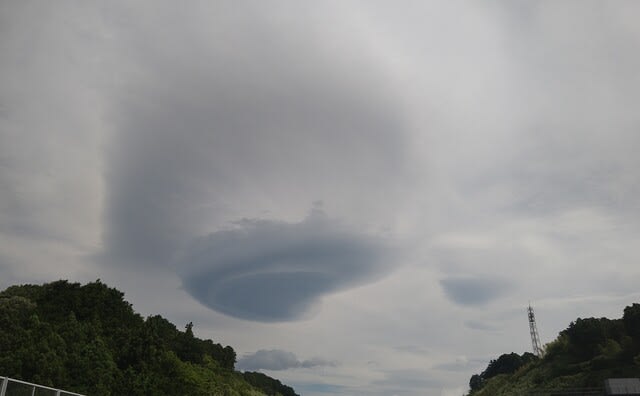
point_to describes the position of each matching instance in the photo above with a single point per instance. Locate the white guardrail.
(14, 387)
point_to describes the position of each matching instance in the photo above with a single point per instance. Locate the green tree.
(268, 385)
(88, 339)
(505, 364)
(475, 382)
(631, 320)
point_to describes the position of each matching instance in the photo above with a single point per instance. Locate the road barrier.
(14, 387)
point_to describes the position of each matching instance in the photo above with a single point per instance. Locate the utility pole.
(533, 329)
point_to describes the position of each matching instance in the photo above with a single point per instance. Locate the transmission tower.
(533, 329)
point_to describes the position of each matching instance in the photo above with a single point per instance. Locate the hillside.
(583, 355)
(88, 339)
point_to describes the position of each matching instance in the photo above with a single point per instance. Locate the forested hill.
(584, 355)
(88, 339)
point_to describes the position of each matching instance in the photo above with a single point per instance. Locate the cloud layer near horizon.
(276, 360)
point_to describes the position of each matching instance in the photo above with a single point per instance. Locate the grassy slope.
(544, 375)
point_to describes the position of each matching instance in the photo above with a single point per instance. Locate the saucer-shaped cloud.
(469, 290)
(275, 271)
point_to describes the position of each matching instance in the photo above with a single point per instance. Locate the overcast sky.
(361, 197)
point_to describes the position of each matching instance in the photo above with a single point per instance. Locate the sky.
(361, 197)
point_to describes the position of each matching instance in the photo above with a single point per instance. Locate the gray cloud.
(277, 359)
(461, 364)
(320, 388)
(406, 381)
(232, 127)
(468, 290)
(275, 271)
(480, 325)
(413, 349)
(261, 123)
(49, 191)
(274, 359)
(317, 362)
(578, 136)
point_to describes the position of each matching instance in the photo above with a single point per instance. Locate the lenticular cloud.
(276, 271)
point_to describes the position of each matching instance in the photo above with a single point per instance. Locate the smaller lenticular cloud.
(470, 290)
(270, 271)
(480, 325)
(277, 359)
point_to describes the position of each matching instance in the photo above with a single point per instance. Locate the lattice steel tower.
(533, 329)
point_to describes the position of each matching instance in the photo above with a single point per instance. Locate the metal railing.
(14, 387)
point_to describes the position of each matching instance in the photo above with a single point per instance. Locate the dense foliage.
(508, 363)
(268, 385)
(88, 339)
(584, 354)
